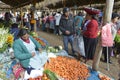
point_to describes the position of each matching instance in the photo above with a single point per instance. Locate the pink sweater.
(106, 36)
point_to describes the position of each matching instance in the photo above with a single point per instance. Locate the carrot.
(68, 68)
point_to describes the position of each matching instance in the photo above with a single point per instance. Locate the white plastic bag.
(33, 74)
(78, 45)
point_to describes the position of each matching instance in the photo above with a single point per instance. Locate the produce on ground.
(54, 49)
(45, 77)
(49, 75)
(38, 78)
(103, 77)
(40, 41)
(34, 34)
(68, 68)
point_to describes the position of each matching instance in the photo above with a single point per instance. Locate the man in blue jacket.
(67, 28)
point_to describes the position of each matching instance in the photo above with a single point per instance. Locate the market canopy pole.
(21, 15)
(106, 18)
(35, 26)
(64, 3)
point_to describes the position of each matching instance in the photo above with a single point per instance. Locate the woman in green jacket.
(28, 51)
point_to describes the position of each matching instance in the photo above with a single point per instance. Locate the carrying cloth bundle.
(106, 35)
(78, 45)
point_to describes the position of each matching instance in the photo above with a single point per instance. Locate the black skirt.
(90, 47)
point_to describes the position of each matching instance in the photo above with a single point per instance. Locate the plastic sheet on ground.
(94, 75)
(63, 53)
(5, 65)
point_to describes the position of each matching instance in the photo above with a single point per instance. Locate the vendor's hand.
(33, 54)
(67, 32)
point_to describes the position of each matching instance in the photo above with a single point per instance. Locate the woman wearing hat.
(90, 33)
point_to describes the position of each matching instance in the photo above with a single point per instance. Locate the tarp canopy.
(4, 6)
(72, 3)
(19, 3)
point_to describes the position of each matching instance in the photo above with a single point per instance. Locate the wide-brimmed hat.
(91, 11)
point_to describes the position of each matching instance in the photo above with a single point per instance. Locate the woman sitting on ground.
(28, 51)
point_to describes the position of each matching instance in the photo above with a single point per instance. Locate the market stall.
(60, 66)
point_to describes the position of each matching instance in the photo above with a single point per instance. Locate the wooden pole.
(107, 18)
(108, 11)
(64, 3)
(35, 27)
(21, 17)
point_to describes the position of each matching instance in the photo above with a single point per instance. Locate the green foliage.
(117, 38)
(50, 74)
(5, 46)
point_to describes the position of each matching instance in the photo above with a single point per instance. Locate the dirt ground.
(56, 40)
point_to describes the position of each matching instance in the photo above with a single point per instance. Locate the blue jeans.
(28, 25)
(43, 27)
(66, 40)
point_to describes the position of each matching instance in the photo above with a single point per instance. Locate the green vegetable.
(117, 38)
(54, 49)
(60, 47)
(33, 34)
(50, 74)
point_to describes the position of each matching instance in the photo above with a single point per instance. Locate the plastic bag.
(78, 45)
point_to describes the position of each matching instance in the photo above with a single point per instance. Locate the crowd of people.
(70, 26)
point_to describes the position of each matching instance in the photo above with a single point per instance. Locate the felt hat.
(92, 11)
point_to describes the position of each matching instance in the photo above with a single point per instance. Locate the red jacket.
(92, 29)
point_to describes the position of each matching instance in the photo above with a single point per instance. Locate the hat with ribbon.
(91, 11)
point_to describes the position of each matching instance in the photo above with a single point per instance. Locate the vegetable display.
(103, 77)
(117, 38)
(50, 74)
(38, 78)
(68, 68)
(6, 39)
(40, 41)
(54, 49)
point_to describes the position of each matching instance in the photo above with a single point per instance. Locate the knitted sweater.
(21, 52)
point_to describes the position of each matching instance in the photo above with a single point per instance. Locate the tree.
(106, 19)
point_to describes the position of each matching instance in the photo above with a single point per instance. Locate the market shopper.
(26, 20)
(14, 30)
(114, 30)
(67, 29)
(78, 22)
(90, 33)
(28, 51)
(57, 21)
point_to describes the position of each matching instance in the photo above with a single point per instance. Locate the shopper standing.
(67, 28)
